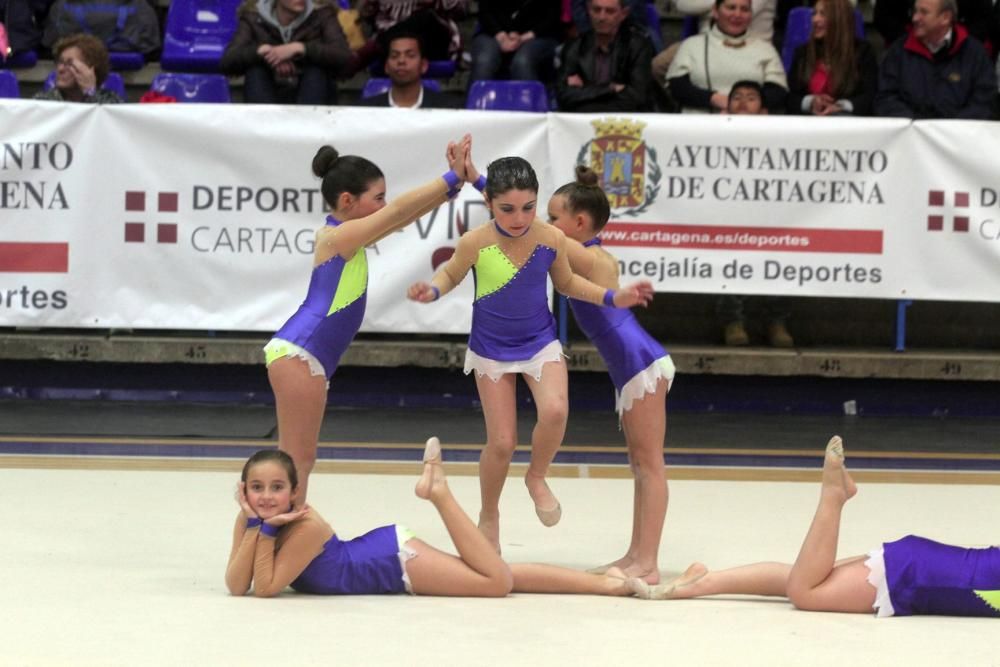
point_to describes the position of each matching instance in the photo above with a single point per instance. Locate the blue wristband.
(609, 298)
(452, 179)
(437, 292)
(253, 522)
(480, 183)
(453, 193)
(269, 530)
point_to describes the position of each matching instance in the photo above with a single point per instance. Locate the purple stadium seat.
(799, 27)
(20, 59)
(197, 33)
(8, 85)
(508, 96)
(126, 60)
(377, 86)
(113, 82)
(652, 19)
(192, 87)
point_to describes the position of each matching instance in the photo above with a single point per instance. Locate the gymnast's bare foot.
(432, 482)
(616, 582)
(836, 480)
(650, 575)
(622, 563)
(489, 525)
(678, 588)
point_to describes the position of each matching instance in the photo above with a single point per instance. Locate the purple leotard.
(627, 349)
(366, 565)
(927, 577)
(513, 322)
(329, 318)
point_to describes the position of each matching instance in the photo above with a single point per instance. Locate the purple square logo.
(167, 202)
(135, 201)
(166, 233)
(135, 232)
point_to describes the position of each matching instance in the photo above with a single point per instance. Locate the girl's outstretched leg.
(552, 404)
(541, 578)
(300, 402)
(478, 570)
(697, 581)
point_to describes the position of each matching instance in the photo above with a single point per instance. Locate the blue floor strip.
(381, 453)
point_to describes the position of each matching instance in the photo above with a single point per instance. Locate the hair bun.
(586, 176)
(325, 157)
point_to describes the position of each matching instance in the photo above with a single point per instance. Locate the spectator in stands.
(707, 65)
(834, 72)
(404, 67)
(288, 51)
(747, 98)
(23, 21)
(516, 38)
(123, 25)
(606, 69)
(433, 20)
(761, 27)
(893, 19)
(938, 70)
(82, 66)
(581, 16)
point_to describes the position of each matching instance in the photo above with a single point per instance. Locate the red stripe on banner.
(716, 237)
(34, 257)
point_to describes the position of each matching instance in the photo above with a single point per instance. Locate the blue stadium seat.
(376, 86)
(799, 27)
(113, 82)
(8, 85)
(20, 59)
(197, 33)
(508, 96)
(126, 60)
(192, 87)
(653, 27)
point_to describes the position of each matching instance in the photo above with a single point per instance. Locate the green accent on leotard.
(493, 271)
(992, 598)
(353, 282)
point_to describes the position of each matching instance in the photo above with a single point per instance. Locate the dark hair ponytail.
(585, 195)
(348, 173)
(510, 173)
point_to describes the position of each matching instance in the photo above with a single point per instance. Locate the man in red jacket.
(938, 70)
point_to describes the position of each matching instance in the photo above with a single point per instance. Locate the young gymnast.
(513, 330)
(910, 576)
(304, 353)
(276, 546)
(640, 369)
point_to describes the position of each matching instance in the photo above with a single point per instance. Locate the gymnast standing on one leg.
(640, 369)
(513, 331)
(912, 575)
(304, 353)
(276, 546)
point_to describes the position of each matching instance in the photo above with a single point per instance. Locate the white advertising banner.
(203, 216)
(799, 206)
